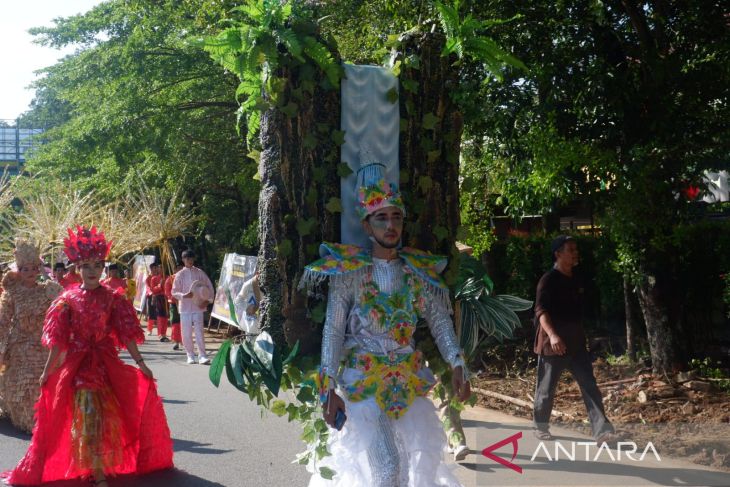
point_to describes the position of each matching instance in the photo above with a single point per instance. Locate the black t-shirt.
(561, 297)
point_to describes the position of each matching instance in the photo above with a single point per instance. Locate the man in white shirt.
(187, 288)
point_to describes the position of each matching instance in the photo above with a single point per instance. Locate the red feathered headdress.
(86, 244)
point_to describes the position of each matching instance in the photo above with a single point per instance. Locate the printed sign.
(237, 274)
(140, 271)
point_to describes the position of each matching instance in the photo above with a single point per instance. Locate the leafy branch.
(270, 34)
(464, 38)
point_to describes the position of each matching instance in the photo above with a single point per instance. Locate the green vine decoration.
(268, 35)
(261, 369)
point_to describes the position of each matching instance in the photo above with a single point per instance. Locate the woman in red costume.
(96, 416)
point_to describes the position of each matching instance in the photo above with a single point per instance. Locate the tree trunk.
(659, 306)
(630, 308)
(298, 170)
(430, 144)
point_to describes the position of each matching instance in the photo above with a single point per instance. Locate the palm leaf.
(513, 302)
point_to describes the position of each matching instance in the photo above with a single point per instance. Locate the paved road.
(221, 439)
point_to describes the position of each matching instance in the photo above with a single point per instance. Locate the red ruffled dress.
(94, 411)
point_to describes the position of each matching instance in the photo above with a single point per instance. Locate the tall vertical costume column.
(371, 123)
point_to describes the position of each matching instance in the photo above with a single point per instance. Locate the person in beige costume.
(23, 307)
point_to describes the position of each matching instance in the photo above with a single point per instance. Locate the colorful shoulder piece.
(426, 265)
(337, 259)
(429, 267)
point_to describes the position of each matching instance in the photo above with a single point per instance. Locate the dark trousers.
(549, 368)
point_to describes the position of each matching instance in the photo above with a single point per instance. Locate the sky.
(20, 56)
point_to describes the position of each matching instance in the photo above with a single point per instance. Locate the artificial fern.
(256, 45)
(465, 39)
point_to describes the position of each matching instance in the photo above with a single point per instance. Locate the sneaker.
(149, 333)
(176, 346)
(164, 339)
(204, 361)
(191, 360)
(460, 452)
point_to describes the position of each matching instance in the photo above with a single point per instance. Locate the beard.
(385, 245)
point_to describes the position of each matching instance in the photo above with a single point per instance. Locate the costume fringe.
(439, 293)
(311, 281)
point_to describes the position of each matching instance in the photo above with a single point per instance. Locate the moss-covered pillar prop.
(298, 203)
(431, 128)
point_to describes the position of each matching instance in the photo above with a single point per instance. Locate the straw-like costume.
(94, 411)
(22, 357)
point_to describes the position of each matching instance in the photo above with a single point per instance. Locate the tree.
(141, 99)
(625, 105)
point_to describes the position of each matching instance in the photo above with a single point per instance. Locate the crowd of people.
(90, 414)
(97, 416)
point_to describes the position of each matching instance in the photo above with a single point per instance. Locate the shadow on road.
(165, 478)
(195, 447)
(7, 429)
(613, 473)
(176, 401)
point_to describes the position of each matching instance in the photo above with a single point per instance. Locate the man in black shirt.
(560, 342)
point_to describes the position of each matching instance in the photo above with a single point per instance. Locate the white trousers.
(187, 321)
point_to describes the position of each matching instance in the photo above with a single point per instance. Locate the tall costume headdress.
(86, 244)
(26, 253)
(374, 192)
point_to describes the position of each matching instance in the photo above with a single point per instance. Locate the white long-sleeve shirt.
(184, 280)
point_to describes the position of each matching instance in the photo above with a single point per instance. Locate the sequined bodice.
(375, 311)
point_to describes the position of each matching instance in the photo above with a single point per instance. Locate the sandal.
(609, 437)
(543, 435)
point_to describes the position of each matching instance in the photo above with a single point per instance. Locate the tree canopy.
(139, 99)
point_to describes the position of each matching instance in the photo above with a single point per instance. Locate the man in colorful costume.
(370, 369)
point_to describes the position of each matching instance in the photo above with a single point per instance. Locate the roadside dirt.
(685, 416)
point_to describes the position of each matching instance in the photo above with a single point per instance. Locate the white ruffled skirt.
(420, 439)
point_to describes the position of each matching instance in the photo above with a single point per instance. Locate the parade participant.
(72, 279)
(373, 383)
(59, 270)
(189, 281)
(131, 285)
(113, 281)
(156, 302)
(174, 311)
(64, 277)
(96, 416)
(23, 306)
(560, 342)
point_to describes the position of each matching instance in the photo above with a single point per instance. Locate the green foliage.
(483, 316)
(268, 35)
(712, 370)
(598, 118)
(137, 100)
(521, 261)
(260, 369)
(465, 39)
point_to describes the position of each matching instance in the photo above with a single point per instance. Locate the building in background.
(16, 142)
